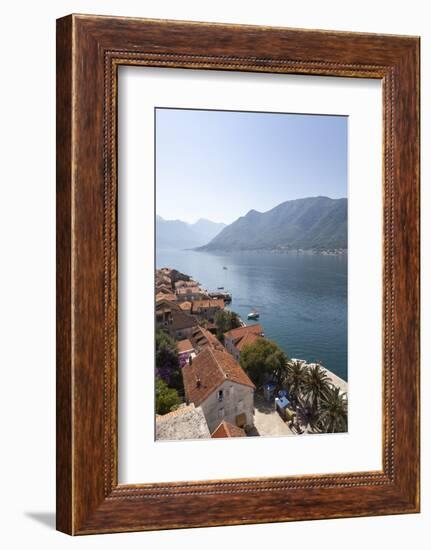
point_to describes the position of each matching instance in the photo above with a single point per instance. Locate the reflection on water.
(302, 299)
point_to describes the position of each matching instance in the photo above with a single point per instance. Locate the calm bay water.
(302, 299)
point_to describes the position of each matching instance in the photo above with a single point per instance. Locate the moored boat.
(253, 315)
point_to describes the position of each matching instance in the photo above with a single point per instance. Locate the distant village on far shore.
(217, 377)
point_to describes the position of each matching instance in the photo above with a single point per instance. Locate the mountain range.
(318, 223)
(178, 234)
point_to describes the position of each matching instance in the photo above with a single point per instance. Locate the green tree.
(263, 360)
(333, 412)
(225, 320)
(295, 380)
(167, 361)
(276, 365)
(310, 417)
(234, 320)
(167, 399)
(316, 385)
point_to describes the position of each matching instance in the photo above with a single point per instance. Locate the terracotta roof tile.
(163, 288)
(208, 370)
(169, 297)
(184, 284)
(165, 306)
(181, 320)
(238, 333)
(206, 304)
(226, 429)
(202, 337)
(184, 345)
(249, 338)
(189, 290)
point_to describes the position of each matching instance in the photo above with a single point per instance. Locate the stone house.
(185, 284)
(181, 325)
(189, 294)
(214, 381)
(163, 312)
(172, 319)
(206, 309)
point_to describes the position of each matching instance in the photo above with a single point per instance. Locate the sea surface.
(301, 298)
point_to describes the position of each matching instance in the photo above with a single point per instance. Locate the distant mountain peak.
(307, 223)
(252, 212)
(179, 234)
(202, 221)
(206, 220)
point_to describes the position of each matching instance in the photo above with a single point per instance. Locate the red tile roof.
(184, 345)
(226, 429)
(184, 284)
(182, 320)
(249, 338)
(202, 337)
(169, 297)
(189, 290)
(208, 370)
(206, 304)
(166, 306)
(237, 333)
(163, 288)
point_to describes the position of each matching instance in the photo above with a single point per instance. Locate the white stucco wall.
(237, 399)
(228, 342)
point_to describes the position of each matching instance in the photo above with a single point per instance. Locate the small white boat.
(253, 315)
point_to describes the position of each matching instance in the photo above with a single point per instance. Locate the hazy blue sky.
(219, 165)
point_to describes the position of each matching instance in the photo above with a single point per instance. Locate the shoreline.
(336, 379)
(295, 251)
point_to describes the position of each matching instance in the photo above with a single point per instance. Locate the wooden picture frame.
(89, 51)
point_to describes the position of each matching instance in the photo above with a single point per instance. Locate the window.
(220, 395)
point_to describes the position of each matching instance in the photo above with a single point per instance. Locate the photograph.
(214, 235)
(251, 267)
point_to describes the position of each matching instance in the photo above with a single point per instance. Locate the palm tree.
(296, 376)
(333, 412)
(316, 385)
(307, 415)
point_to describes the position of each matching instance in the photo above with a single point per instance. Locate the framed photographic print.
(237, 274)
